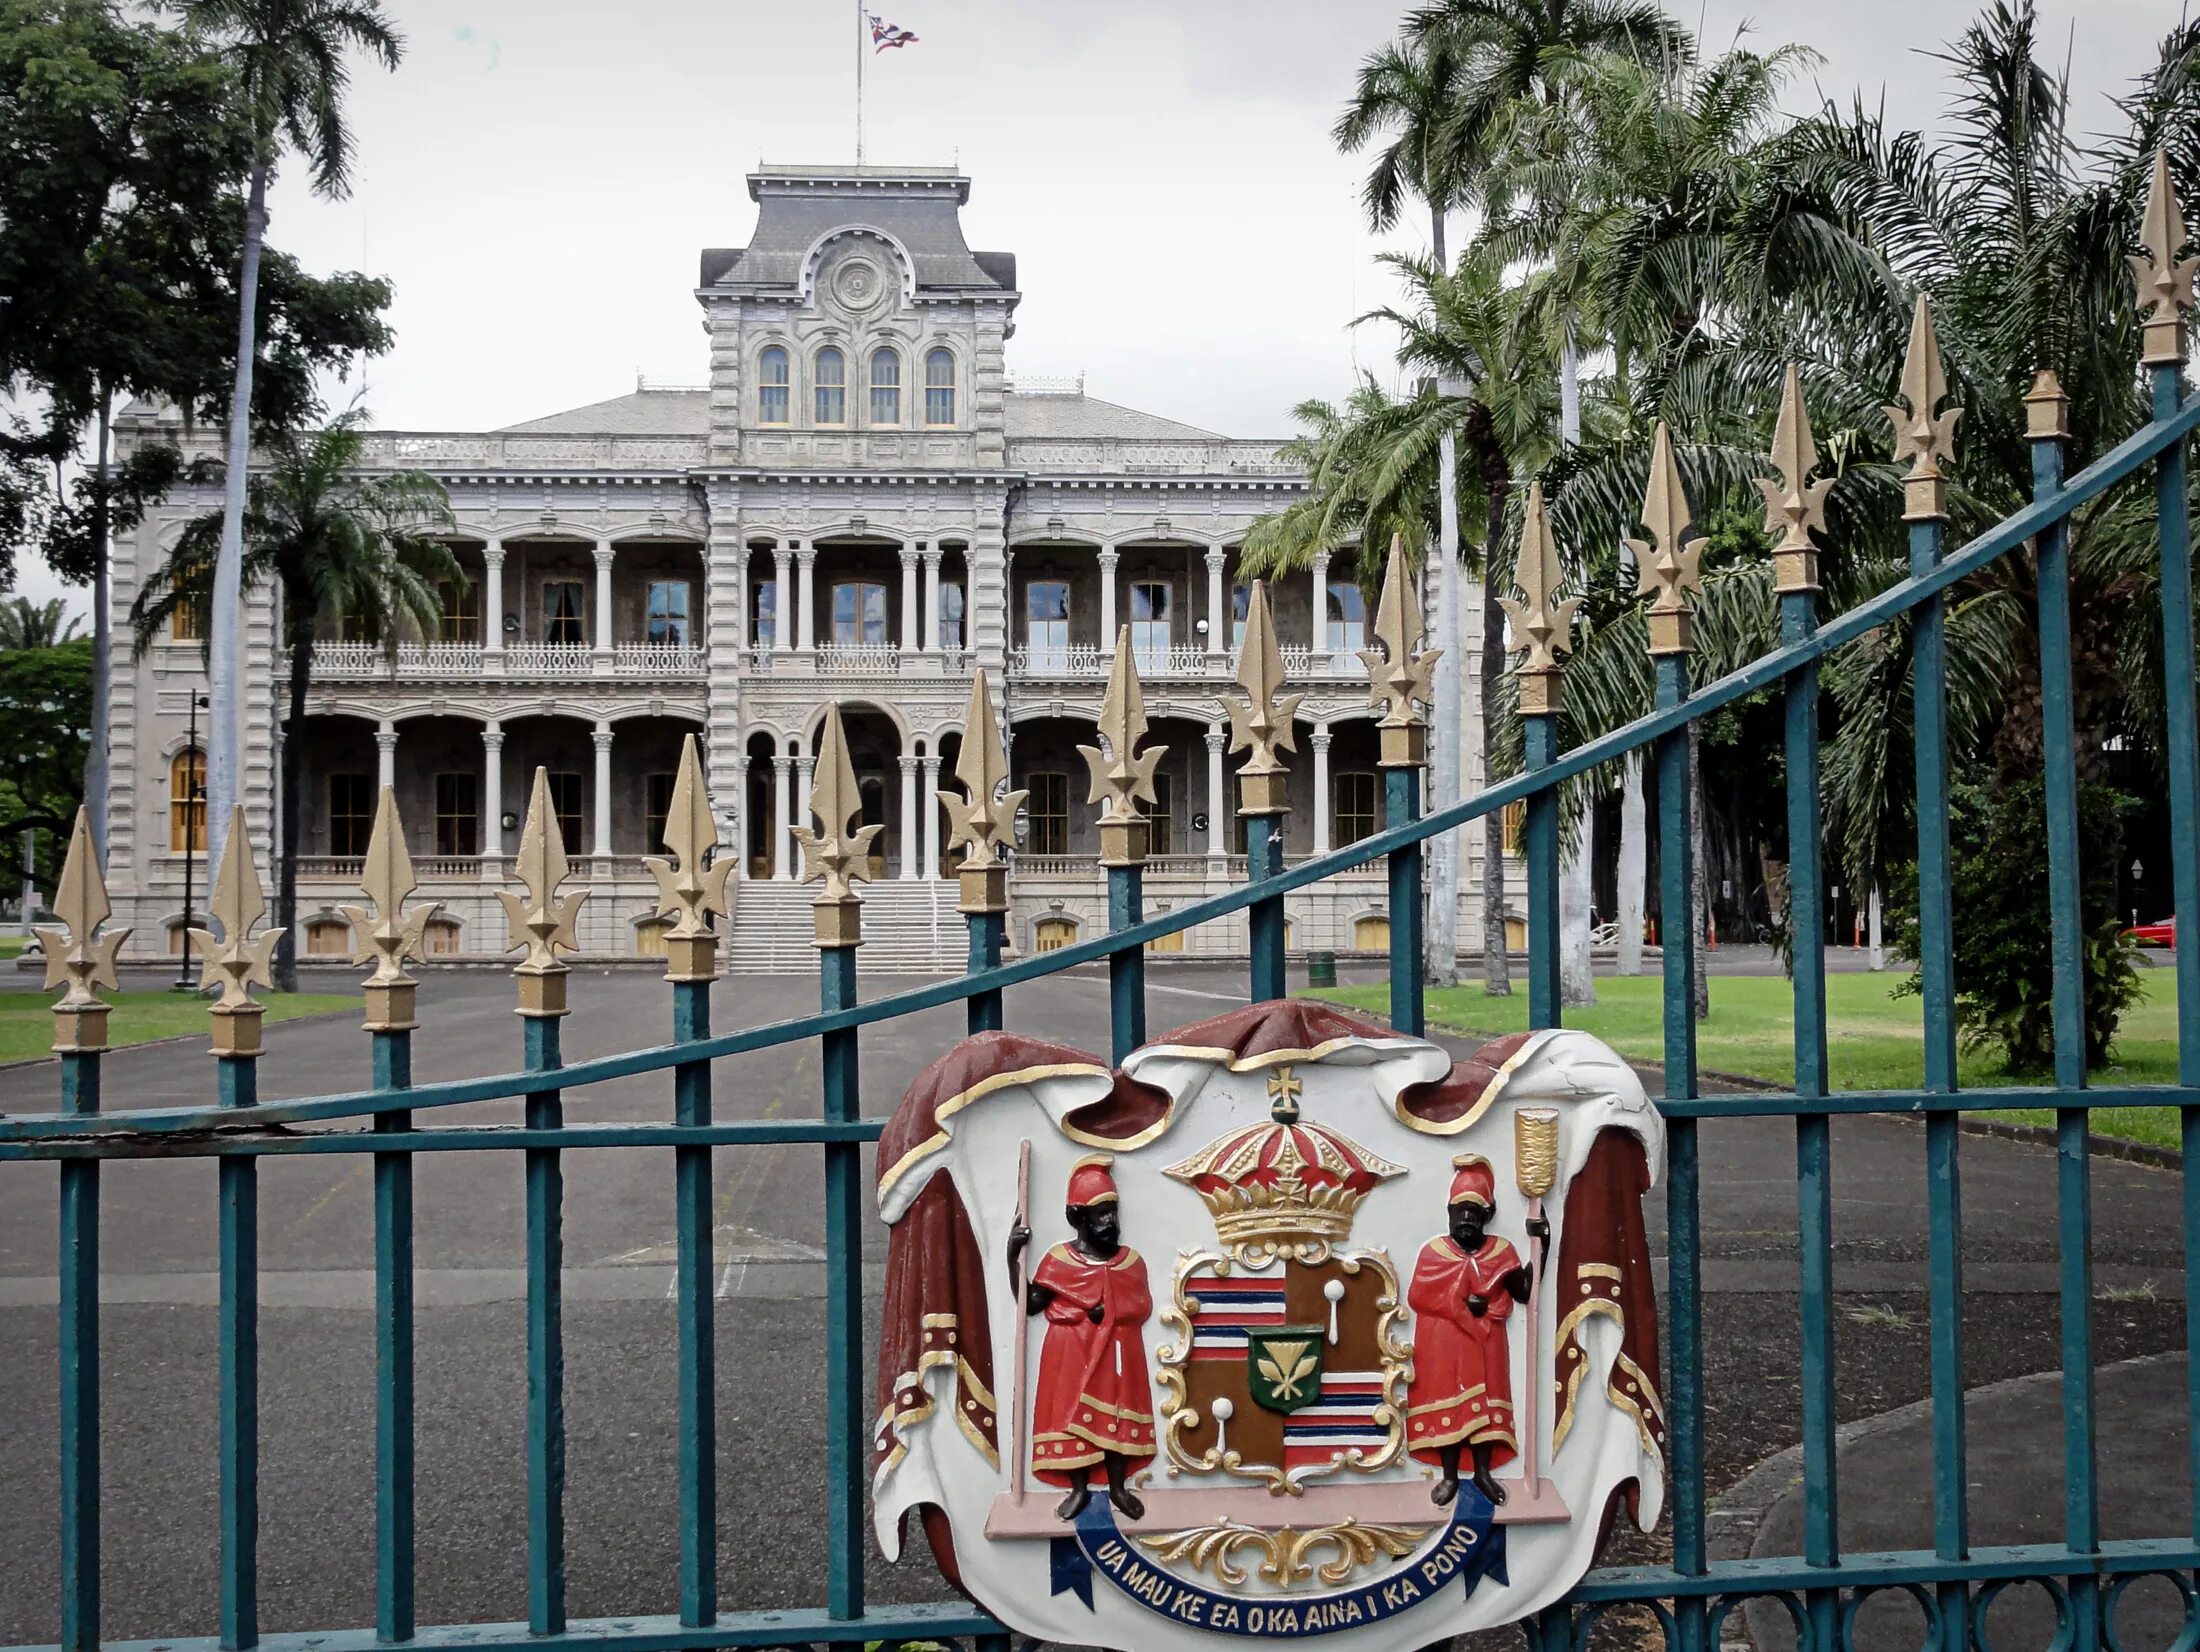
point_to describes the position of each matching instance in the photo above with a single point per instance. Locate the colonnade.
(794, 598)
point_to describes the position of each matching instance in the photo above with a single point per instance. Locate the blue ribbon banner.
(1471, 1548)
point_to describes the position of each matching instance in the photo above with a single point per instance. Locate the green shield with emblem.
(1284, 1365)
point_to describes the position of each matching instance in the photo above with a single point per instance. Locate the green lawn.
(1875, 1039)
(12, 944)
(26, 1027)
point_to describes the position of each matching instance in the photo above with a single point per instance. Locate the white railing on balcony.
(1181, 660)
(656, 659)
(858, 660)
(349, 868)
(337, 660)
(548, 659)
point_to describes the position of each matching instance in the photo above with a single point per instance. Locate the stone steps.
(908, 928)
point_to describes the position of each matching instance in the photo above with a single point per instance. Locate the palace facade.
(861, 506)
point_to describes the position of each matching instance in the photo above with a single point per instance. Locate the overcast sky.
(538, 177)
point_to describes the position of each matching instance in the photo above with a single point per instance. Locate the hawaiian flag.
(884, 34)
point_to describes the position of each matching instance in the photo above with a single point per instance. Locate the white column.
(603, 608)
(782, 814)
(1218, 611)
(909, 631)
(1877, 937)
(1321, 789)
(1218, 797)
(735, 818)
(492, 605)
(805, 557)
(1108, 561)
(931, 557)
(910, 831)
(931, 805)
(1320, 638)
(385, 745)
(740, 603)
(492, 801)
(603, 789)
(783, 601)
(805, 780)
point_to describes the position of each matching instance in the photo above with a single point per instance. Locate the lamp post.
(2138, 871)
(194, 816)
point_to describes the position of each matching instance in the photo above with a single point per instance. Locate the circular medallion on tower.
(858, 284)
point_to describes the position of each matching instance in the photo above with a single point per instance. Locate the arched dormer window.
(886, 387)
(939, 387)
(771, 386)
(831, 380)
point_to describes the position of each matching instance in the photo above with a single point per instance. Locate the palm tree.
(289, 57)
(365, 555)
(28, 624)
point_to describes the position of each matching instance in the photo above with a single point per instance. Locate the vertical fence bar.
(393, 1350)
(238, 1196)
(1127, 968)
(988, 931)
(1260, 723)
(79, 1265)
(1539, 736)
(1264, 859)
(698, 1377)
(982, 827)
(844, 1432)
(545, 1171)
(1401, 805)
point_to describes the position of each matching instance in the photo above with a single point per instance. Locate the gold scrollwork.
(1285, 1556)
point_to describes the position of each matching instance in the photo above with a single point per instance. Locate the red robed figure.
(1461, 1392)
(1093, 1395)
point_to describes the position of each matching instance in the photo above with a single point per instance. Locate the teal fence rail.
(1821, 1588)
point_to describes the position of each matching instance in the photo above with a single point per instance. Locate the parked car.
(2162, 932)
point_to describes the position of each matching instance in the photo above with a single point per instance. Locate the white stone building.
(861, 506)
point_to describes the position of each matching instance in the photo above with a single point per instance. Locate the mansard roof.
(918, 207)
(1087, 416)
(684, 412)
(645, 412)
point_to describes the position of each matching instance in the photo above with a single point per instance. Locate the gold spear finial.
(689, 892)
(1668, 568)
(1122, 775)
(2165, 280)
(78, 958)
(985, 824)
(238, 958)
(1540, 619)
(1260, 723)
(840, 854)
(1397, 676)
(1922, 435)
(1794, 504)
(388, 934)
(540, 920)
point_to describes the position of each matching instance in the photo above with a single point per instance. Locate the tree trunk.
(1634, 866)
(225, 633)
(286, 850)
(95, 750)
(1442, 937)
(1577, 985)
(1496, 963)
(1700, 880)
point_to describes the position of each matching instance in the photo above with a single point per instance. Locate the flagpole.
(859, 82)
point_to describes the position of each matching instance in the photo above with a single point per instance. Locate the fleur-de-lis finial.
(985, 824)
(1260, 723)
(238, 959)
(387, 933)
(541, 920)
(1668, 564)
(1794, 504)
(689, 892)
(1541, 620)
(840, 854)
(78, 958)
(2165, 280)
(1922, 435)
(1397, 675)
(1122, 775)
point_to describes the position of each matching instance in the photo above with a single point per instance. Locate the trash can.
(1321, 969)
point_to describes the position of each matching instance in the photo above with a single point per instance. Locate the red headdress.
(1476, 1182)
(1090, 1183)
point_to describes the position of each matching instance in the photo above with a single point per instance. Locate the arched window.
(771, 386)
(1052, 934)
(832, 386)
(187, 801)
(1371, 934)
(886, 388)
(939, 387)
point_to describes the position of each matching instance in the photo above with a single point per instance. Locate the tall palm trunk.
(95, 749)
(1576, 964)
(1634, 866)
(300, 629)
(1442, 939)
(1496, 965)
(225, 635)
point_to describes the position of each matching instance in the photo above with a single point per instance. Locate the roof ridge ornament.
(78, 958)
(1541, 620)
(1397, 675)
(540, 920)
(1260, 723)
(1669, 563)
(1794, 505)
(239, 958)
(387, 933)
(1122, 775)
(1922, 435)
(690, 892)
(2165, 281)
(840, 854)
(985, 823)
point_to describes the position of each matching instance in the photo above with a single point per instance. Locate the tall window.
(350, 813)
(187, 801)
(656, 807)
(939, 387)
(771, 386)
(457, 814)
(1352, 807)
(461, 602)
(764, 623)
(1347, 621)
(1241, 611)
(1150, 625)
(564, 612)
(886, 388)
(668, 612)
(859, 613)
(832, 386)
(1047, 814)
(566, 803)
(951, 616)
(183, 623)
(1046, 624)
(1162, 832)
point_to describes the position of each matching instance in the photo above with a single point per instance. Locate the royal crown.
(1283, 1188)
